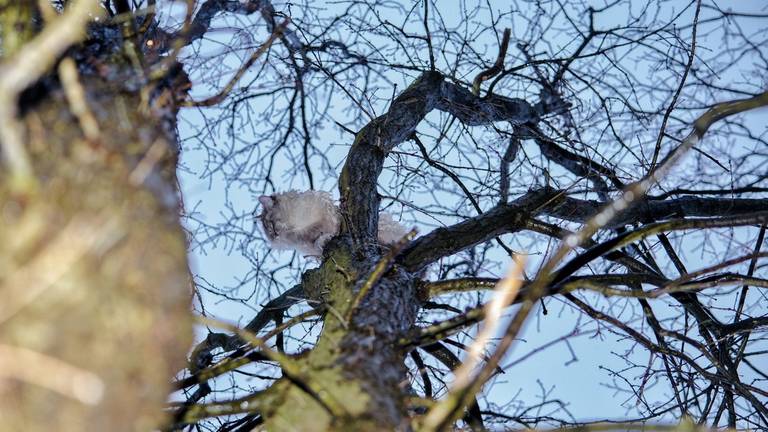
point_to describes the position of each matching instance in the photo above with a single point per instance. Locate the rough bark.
(93, 274)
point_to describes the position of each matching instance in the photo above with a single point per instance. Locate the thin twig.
(215, 99)
(671, 107)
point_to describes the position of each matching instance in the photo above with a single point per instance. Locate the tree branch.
(504, 218)
(357, 185)
(576, 210)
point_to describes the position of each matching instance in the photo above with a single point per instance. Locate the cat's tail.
(390, 231)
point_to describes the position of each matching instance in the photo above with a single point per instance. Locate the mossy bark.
(93, 270)
(357, 360)
(16, 24)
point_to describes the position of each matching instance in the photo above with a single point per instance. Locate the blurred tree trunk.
(94, 318)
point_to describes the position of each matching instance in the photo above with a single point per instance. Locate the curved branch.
(357, 184)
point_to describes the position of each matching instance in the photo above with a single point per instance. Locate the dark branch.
(357, 185)
(502, 219)
(576, 210)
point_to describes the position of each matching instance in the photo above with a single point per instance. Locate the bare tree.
(618, 145)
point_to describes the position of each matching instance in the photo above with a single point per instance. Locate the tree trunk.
(93, 274)
(357, 360)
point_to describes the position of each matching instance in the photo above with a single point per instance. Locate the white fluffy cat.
(305, 221)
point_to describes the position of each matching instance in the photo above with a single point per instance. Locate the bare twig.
(217, 98)
(497, 67)
(673, 102)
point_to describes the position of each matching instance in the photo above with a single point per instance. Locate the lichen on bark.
(93, 259)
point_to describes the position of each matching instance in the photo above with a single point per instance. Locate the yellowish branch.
(70, 80)
(51, 373)
(292, 369)
(466, 382)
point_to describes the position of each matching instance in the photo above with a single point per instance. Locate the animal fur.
(305, 221)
